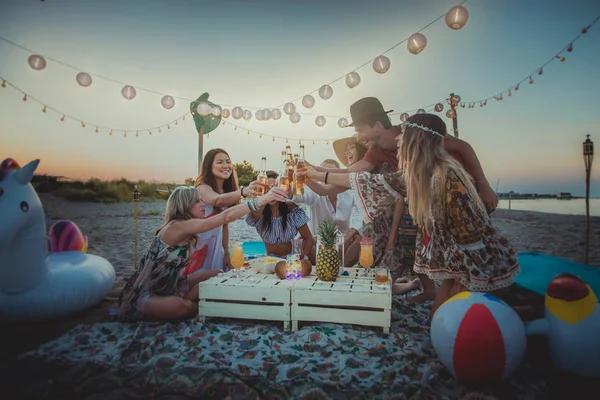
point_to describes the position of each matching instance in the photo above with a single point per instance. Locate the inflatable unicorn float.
(36, 284)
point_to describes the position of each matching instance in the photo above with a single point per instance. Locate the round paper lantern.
(342, 122)
(128, 92)
(266, 114)
(439, 107)
(352, 80)
(216, 111)
(381, 64)
(455, 99)
(225, 113)
(420, 111)
(237, 113)
(450, 113)
(259, 115)
(167, 102)
(308, 101)
(276, 113)
(37, 62)
(203, 109)
(320, 120)
(404, 117)
(83, 79)
(247, 115)
(416, 43)
(295, 118)
(457, 17)
(289, 108)
(325, 92)
(478, 337)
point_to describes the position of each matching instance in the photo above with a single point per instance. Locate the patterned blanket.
(248, 359)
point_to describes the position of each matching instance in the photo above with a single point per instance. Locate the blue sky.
(264, 53)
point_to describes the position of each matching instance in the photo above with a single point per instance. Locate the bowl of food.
(265, 265)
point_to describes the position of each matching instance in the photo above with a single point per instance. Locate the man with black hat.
(376, 132)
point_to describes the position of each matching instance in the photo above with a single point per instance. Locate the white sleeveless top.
(212, 242)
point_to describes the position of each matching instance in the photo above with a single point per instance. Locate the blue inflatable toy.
(33, 284)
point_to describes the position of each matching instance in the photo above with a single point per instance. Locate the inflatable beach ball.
(66, 236)
(478, 337)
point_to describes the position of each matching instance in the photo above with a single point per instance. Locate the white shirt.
(321, 210)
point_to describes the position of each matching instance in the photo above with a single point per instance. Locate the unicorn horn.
(25, 174)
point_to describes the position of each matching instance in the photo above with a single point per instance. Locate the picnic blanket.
(249, 359)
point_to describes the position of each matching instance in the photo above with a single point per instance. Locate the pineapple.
(328, 257)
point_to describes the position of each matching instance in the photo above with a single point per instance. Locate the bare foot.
(422, 297)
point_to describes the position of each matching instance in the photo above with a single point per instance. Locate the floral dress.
(158, 274)
(463, 244)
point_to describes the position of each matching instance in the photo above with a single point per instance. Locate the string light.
(96, 130)
(25, 98)
(44, 109)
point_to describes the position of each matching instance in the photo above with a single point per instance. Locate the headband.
(421, 127)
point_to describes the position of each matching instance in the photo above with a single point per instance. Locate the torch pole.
(136, 205)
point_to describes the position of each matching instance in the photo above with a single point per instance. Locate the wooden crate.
(352, 299)
(265, 298)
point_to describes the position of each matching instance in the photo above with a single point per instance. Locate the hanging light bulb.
(541, 71)
(560, 58)
(176, 123)
(124, 133)
(110, 133)
(137, 133)
(248, 132)
(168, 126)
(96, 130)
(273, 138)
(25, 98)
(149, 132)
(517, 86)
(62, 119)
(509, 93)
(44, 109)
(184, 117)
(260, 136)
(159, 131)
(82, 124)
(3, 84)
(584, 30)
(530, 80)
(570, 48)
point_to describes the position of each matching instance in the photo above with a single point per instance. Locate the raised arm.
(473, 167)
(324, 190)
(359, 166)
(196, 226)
(209, 196)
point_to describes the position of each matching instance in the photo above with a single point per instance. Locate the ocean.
(554, 206)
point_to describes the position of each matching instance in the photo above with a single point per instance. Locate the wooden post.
(587, 215)
(136, 205)
(200, 148)
(509, 200)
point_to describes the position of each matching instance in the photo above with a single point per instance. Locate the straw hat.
(339, 146)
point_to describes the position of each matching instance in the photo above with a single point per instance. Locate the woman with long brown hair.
(218, 187)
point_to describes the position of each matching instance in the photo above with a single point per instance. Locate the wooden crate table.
(265, 298)
(352, 299)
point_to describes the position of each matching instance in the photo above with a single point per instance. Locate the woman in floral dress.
(456, 241)
(157, 290)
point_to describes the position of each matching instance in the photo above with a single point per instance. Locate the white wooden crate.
(352, 299)
(265, 298)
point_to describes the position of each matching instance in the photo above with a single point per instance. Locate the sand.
(110, 231)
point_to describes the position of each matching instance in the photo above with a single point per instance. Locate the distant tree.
(245, 172)
(189, 181)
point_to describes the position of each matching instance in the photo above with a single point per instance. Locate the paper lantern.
(167, 102)
(450, 113)
(225, 113)
(247, 115)
(478, 337)
(276, 113)
(416, 43)
(457, 17)
(352, 80)
(237, 113)
(259, 115)
(308, 101)
(128, 92)
(320, 120)
(381, 64)
(289, 108)
(266, 114)
(342, 122)
(83, 79)
(295, 118)
(203, 109)
(439, 107)
(37, 62)
(420, 111)
(325, 92)
(455, 99)
(404, 117)
(216, 111)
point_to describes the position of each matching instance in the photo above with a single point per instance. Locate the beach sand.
(110, 232)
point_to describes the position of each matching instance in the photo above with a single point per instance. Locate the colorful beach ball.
(66, 236)
(478, 337)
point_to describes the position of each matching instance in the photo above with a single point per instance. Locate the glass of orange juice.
(237, 257)
(366, 254)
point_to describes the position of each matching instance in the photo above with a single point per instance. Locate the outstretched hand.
(310, 172)
(276, 194)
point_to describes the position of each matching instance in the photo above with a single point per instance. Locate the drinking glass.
(381, 277)
(366, 256)
(237, 258)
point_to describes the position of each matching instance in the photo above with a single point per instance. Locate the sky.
(261, 54)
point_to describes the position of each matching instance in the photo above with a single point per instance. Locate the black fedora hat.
(365, 110)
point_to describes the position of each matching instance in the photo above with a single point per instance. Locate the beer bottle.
(262, 177)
